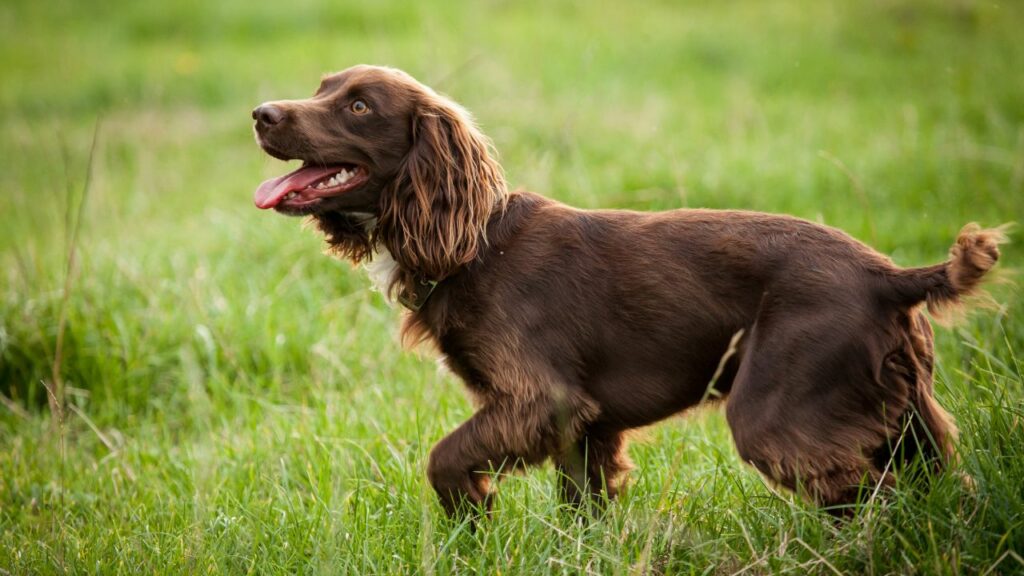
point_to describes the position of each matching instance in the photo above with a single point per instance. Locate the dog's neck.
(383, 271)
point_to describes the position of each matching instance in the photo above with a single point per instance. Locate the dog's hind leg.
(928, 431)
(811, 402)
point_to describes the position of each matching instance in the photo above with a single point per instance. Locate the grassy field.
(234, 401)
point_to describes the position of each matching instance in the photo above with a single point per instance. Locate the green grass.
(238, 402)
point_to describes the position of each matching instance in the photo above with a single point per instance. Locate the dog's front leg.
(498, 438)
(456, 468)
(505, 434)
(595, 464)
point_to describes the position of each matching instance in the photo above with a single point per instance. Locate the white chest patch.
(381, 269)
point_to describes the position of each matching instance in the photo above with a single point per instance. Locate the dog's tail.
(942, 286)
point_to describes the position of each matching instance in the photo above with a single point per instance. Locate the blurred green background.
(238, 402)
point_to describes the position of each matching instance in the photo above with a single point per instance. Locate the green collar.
(424, 288)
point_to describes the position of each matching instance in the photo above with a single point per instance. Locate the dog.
(571, 327)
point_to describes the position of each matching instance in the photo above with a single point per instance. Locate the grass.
(236, 402)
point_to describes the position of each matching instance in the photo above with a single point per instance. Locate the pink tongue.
(270, 193)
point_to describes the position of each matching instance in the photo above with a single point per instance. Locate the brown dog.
(570, 327)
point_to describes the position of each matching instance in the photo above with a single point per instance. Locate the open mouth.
(308, 186)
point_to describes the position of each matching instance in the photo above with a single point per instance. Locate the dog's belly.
(642, 392)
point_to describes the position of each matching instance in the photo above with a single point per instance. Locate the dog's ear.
(434, 216)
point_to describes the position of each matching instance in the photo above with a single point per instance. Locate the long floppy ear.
(434, 217)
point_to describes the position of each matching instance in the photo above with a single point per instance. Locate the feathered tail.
(942, 286)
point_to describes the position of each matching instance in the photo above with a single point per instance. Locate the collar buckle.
(424, 288)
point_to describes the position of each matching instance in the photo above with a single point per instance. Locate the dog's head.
(385, 159)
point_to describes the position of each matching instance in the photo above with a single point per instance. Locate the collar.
(420, 292)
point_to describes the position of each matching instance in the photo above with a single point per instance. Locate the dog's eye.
(359, 107)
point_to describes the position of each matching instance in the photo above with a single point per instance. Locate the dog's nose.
(267, 114)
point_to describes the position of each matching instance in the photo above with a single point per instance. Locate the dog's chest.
(382, 267)
(381, 270)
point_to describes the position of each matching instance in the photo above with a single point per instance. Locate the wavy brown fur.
(347, 235)
(433, 216)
